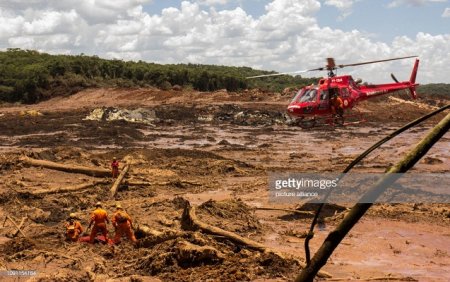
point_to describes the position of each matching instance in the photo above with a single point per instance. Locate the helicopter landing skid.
(331, 120)
(349, 119)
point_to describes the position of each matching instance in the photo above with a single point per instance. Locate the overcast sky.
(280, 35)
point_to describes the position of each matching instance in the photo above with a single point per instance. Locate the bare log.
(357, 211)
(20, 226)
(97, 172)
(119, 180)
(153, 237)
(190, 221)
(67, 189)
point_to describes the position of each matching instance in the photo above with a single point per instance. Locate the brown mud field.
(213, 151)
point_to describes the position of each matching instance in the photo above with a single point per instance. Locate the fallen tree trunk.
(119, 180)
(151, 237)
(97, 172)
(190, 221)
(67, 189)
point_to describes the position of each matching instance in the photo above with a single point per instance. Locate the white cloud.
(433, 51)
(397, 3)
(446, 13)
(213, 2)
(10, 24)
(49, 22)
(286, 37)
(345, 6)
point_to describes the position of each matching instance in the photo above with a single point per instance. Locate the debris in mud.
(17, 245)
(178, 254)
(166, 163)
(431, 160)
(328, 209)
(30, 113)
(36, 214)
(232, 215)
(249, 117)
(242, 116)
(110, 114)
(191, 254)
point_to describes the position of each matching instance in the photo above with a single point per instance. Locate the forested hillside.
(29, 76)
(434, 90)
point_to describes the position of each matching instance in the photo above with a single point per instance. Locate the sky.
(278, 35)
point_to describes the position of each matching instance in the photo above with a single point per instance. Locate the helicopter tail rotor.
(412, 80)
(394, 78)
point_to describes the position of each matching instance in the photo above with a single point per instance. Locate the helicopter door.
(345, 94)
(324, 100)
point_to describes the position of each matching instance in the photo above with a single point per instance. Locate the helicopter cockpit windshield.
(305, 95)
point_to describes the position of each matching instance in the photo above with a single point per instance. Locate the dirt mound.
(199, 258)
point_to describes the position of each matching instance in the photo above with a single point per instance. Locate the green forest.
(29, 76)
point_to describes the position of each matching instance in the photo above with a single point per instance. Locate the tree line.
(30, 76)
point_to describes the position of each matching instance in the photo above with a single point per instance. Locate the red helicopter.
(313, 104)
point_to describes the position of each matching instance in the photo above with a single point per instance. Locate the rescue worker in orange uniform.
(73, 228)
(115, 167)
(337, 106)
(99, 218)
(123, 225)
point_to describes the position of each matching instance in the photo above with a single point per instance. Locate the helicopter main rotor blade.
(372, 62)
(277, 74)
(331, 66)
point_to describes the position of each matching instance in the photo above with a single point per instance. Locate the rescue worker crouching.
(73, 228)
(123, 225)
(99, 218)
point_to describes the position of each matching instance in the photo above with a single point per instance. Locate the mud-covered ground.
(214, 150)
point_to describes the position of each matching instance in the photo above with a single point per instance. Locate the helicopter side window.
(323, 95)
(309, 96)
(298, 95)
